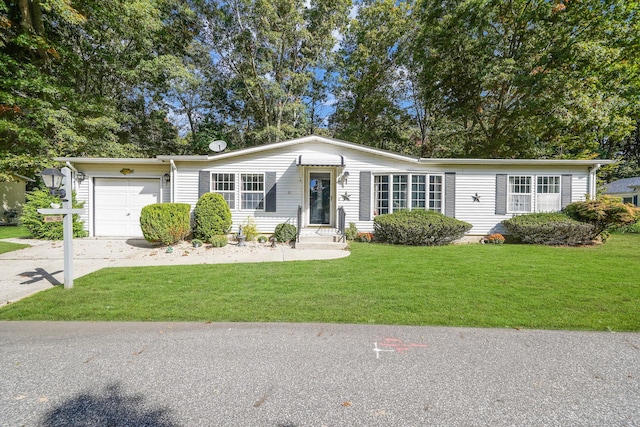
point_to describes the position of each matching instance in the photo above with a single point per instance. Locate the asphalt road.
(285, 375)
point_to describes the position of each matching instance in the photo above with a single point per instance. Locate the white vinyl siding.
(404, 196)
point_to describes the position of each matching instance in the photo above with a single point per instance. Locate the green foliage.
(250, 229)
(418, 228)
(218, 241)
(262, 239)
(212, 217)
(34, 221)
(165, 223)
(552, 228)
(604, 213)
(285, 232)
(351, 232)
(628, 229)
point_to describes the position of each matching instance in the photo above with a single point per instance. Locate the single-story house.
(12, 196)
(317, 183)
(627, 188)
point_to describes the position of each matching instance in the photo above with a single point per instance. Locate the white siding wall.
(470, 179)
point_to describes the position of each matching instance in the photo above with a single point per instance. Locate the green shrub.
(212, 217)
(604, 213)
(165, 223)
(285, 232)
(262, 239)
(628, 229)
(553, 228)
(34, 221)
(250, 229)
(418, 228)
(352, 232)
(219, 241)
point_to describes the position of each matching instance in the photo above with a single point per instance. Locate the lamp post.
(59, 184)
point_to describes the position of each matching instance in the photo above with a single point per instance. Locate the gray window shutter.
(204, 183)
(450, 194)
(635, 200)
(365, 196)
(501, 194)
(270, 192)
(565, 190)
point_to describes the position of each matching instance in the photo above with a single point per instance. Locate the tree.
(265, 54)
(371, 103)
(524, 78)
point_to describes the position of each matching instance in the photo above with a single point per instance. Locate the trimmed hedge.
(418, 228)
(553, 228)
(165, 223)
(212, 217)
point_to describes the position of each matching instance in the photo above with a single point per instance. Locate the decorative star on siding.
(346, 196)
(476, 198)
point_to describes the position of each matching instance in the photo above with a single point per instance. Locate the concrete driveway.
(40, 266)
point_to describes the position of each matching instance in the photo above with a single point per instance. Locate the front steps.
(321, 238)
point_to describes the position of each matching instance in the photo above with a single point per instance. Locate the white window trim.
(238, 189)
(242, 191)
(533, 187)
(409, 191)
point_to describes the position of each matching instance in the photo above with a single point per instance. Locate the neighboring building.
(12, 196)
(627, 188)
(321, 177)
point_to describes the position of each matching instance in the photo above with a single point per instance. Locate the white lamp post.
(54, 179)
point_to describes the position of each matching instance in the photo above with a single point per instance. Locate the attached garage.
(118, 203)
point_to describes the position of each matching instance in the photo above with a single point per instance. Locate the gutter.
(174, 174)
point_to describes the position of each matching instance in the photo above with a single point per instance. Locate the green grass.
(512, 286)
(7, 232)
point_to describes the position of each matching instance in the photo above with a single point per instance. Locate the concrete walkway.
(30, 270)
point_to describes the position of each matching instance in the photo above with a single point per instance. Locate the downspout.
(592, 180)
(174, 174)
(74, 184)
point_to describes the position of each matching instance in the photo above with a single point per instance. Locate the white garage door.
(118, 202)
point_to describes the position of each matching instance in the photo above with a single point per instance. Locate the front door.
(320, 200)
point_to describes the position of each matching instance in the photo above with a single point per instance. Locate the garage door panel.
(119, 202)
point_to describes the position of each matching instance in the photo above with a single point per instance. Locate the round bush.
(33, 221)
(550, 229)
(285, 232)
(219, 241)
(418, 228)
(165, 223)
(212, 217)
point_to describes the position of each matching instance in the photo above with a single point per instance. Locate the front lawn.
(9, 231)
(511, 286)
(6, 232)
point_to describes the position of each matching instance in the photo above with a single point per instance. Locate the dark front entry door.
(320, 198)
